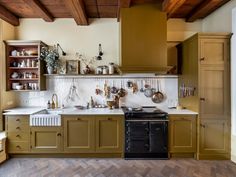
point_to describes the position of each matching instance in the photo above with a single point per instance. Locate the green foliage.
(50, 56)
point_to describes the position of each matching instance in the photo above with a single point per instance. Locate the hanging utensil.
(141, 87)
(121, 91)
(158, 96)
(114, 90)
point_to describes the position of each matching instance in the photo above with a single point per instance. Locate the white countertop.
(94, 111)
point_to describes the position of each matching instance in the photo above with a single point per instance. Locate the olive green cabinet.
(93, 134)
(46, 139)
(214, 138)
(79, 134)
(109, 134)
(18, 139)
(182, 133)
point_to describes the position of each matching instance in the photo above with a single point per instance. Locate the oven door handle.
(148, 120)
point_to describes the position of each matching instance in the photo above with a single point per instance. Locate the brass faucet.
(54, 102)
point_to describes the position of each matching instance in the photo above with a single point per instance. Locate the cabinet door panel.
(109, 134)
(214, 92)
(46, 139)
(79, 134)
(214, 51)
(182, 133)
(214, 136)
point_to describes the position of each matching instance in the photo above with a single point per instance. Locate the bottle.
(48, 105)
(91, 103)
(53, 105)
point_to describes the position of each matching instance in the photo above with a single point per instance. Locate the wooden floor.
(75, 167)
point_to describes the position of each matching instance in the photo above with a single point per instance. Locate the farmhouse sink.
(46, 118)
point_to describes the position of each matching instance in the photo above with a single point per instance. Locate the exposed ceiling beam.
(9, 17)
(76, 7)
(122, 4)
(40, 10)
(171, 6)
(204, 9)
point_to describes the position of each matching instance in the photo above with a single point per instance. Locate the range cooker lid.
(145, 112)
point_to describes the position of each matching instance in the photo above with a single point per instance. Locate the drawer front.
(17, 127)
(15, 147)
(20, 136)
(18, 119)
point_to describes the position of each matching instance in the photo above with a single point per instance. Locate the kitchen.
(103, 130)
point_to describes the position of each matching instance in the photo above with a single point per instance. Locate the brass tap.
(54, 102)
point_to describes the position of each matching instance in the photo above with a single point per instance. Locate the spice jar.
(111, 68)
(105, 70)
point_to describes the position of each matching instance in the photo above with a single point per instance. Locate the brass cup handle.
(202, 59)
(78, 118)
(17, 120)
(18, 136)
(202, 99)
(109, 118)
(202, 125)
(18, 128)
(18, 147)
(59, 134)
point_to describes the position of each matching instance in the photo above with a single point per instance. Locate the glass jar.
(111, 68)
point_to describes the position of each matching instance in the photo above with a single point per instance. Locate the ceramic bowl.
(19, 87)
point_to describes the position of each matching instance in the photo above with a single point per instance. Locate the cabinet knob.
(59, 134)
(202, 125)
(78, 118)
(202, 59)
(109, 118)
(202, 99)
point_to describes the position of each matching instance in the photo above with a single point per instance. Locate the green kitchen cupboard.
(109, 134)
(183, 134)
(79, 134)
(46, 139)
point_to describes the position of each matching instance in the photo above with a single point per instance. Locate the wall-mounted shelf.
(22, 48)
(118, 76)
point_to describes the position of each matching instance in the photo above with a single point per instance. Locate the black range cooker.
(146, 133)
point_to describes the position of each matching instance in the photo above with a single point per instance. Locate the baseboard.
(90, 155)
(233, 158)
(182, 155)
(213, 156)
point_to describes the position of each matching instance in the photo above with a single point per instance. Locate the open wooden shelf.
(23, 68)
(27, 46)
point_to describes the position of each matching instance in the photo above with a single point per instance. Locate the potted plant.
(51, 57)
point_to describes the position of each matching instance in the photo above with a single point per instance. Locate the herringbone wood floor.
(76, 167)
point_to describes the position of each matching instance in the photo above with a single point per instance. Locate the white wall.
(74, 38)
(221, 21)
(85, 39)
(179, 30)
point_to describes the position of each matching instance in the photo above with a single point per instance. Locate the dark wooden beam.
(77, 9)
(171, 6)
(9, 17)
(204, 9)
(122, 4)
(40, 10)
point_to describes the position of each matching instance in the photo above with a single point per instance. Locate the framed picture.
(72, 67)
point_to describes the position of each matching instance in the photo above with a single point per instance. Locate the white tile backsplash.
(85, 88)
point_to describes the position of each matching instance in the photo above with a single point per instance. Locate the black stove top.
(144, 112)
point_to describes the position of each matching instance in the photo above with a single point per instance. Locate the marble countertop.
(94, 111)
